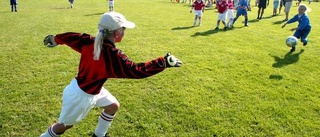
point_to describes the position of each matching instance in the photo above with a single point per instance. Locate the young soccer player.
(242, 10)
(198, 7)
(275, 7)
(111, 5)
(13, 4)
(222, 7)
(304, 26)
(230, 13)
(71, 3)
(100, 60)
(262, 5)
(287, 7)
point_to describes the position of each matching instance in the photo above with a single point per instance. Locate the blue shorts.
(241, 12)
(13, 2)
(275, 4)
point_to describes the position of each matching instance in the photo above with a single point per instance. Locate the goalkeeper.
(100, 60)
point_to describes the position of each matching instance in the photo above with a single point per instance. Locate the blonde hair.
(307, 9)
(98, 41)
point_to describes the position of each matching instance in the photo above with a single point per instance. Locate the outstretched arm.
(71, 39)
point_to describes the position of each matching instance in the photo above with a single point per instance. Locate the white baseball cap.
(113, 21)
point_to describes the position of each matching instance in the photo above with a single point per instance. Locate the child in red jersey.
(198, 7)
(222, 7)
(230, 13)
(100, 60)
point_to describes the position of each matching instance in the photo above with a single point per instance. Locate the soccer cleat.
(305, 43)
(293, 49)
(217, 28)
(225, 28)
(246, 25)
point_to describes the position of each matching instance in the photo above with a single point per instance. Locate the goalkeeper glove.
(172, 61)
(49, 41)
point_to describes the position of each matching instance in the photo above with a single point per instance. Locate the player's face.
(119, 34)
(301, 9)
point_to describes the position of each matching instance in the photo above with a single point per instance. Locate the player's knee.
(112, 109)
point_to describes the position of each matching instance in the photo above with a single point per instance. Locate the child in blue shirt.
(242, 10)
(304, 26)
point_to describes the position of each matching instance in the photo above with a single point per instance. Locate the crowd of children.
(226, 9)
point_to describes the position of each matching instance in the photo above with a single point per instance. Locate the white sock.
(104, 123)
(49, 133)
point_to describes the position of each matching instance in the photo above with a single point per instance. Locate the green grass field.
(239, 82)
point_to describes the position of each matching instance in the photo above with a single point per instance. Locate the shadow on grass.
(279, 22)
(60, 8)
(268, 17)
(181, 28)
(276, 77)
(94, 14)
(288, 59)
(205, 33)
(210, 32)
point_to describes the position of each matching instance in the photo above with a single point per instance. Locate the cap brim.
(129, 24)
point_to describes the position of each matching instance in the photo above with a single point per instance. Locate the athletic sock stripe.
(50, 131)
(106, 118)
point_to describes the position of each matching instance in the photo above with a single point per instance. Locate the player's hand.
(172, 61)
(293, 29)
(49, 41)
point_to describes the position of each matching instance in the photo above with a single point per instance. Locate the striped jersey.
(113, 63)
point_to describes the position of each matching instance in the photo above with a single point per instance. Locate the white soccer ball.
(291, 41)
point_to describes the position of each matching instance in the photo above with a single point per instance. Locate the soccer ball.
(291, 41)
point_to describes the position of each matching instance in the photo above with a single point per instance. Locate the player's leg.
(304, 35)
(55, 130)
(223, 20)
(239, 13)
(195, 19)
(262, 11)
(259, 12)
(110, 106)
(200, 17)
(246, 20)
(218, 23)
(75, 106)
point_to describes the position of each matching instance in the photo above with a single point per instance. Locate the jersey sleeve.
(120, 66)
(72, 39)
(293, 19)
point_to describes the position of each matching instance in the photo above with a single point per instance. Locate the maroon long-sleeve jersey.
(113, 63)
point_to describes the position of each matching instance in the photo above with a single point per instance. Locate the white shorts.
(230, 14)
(198, 13)
(111, 3)
(222, 16)
(76, 103)
(287, 7)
